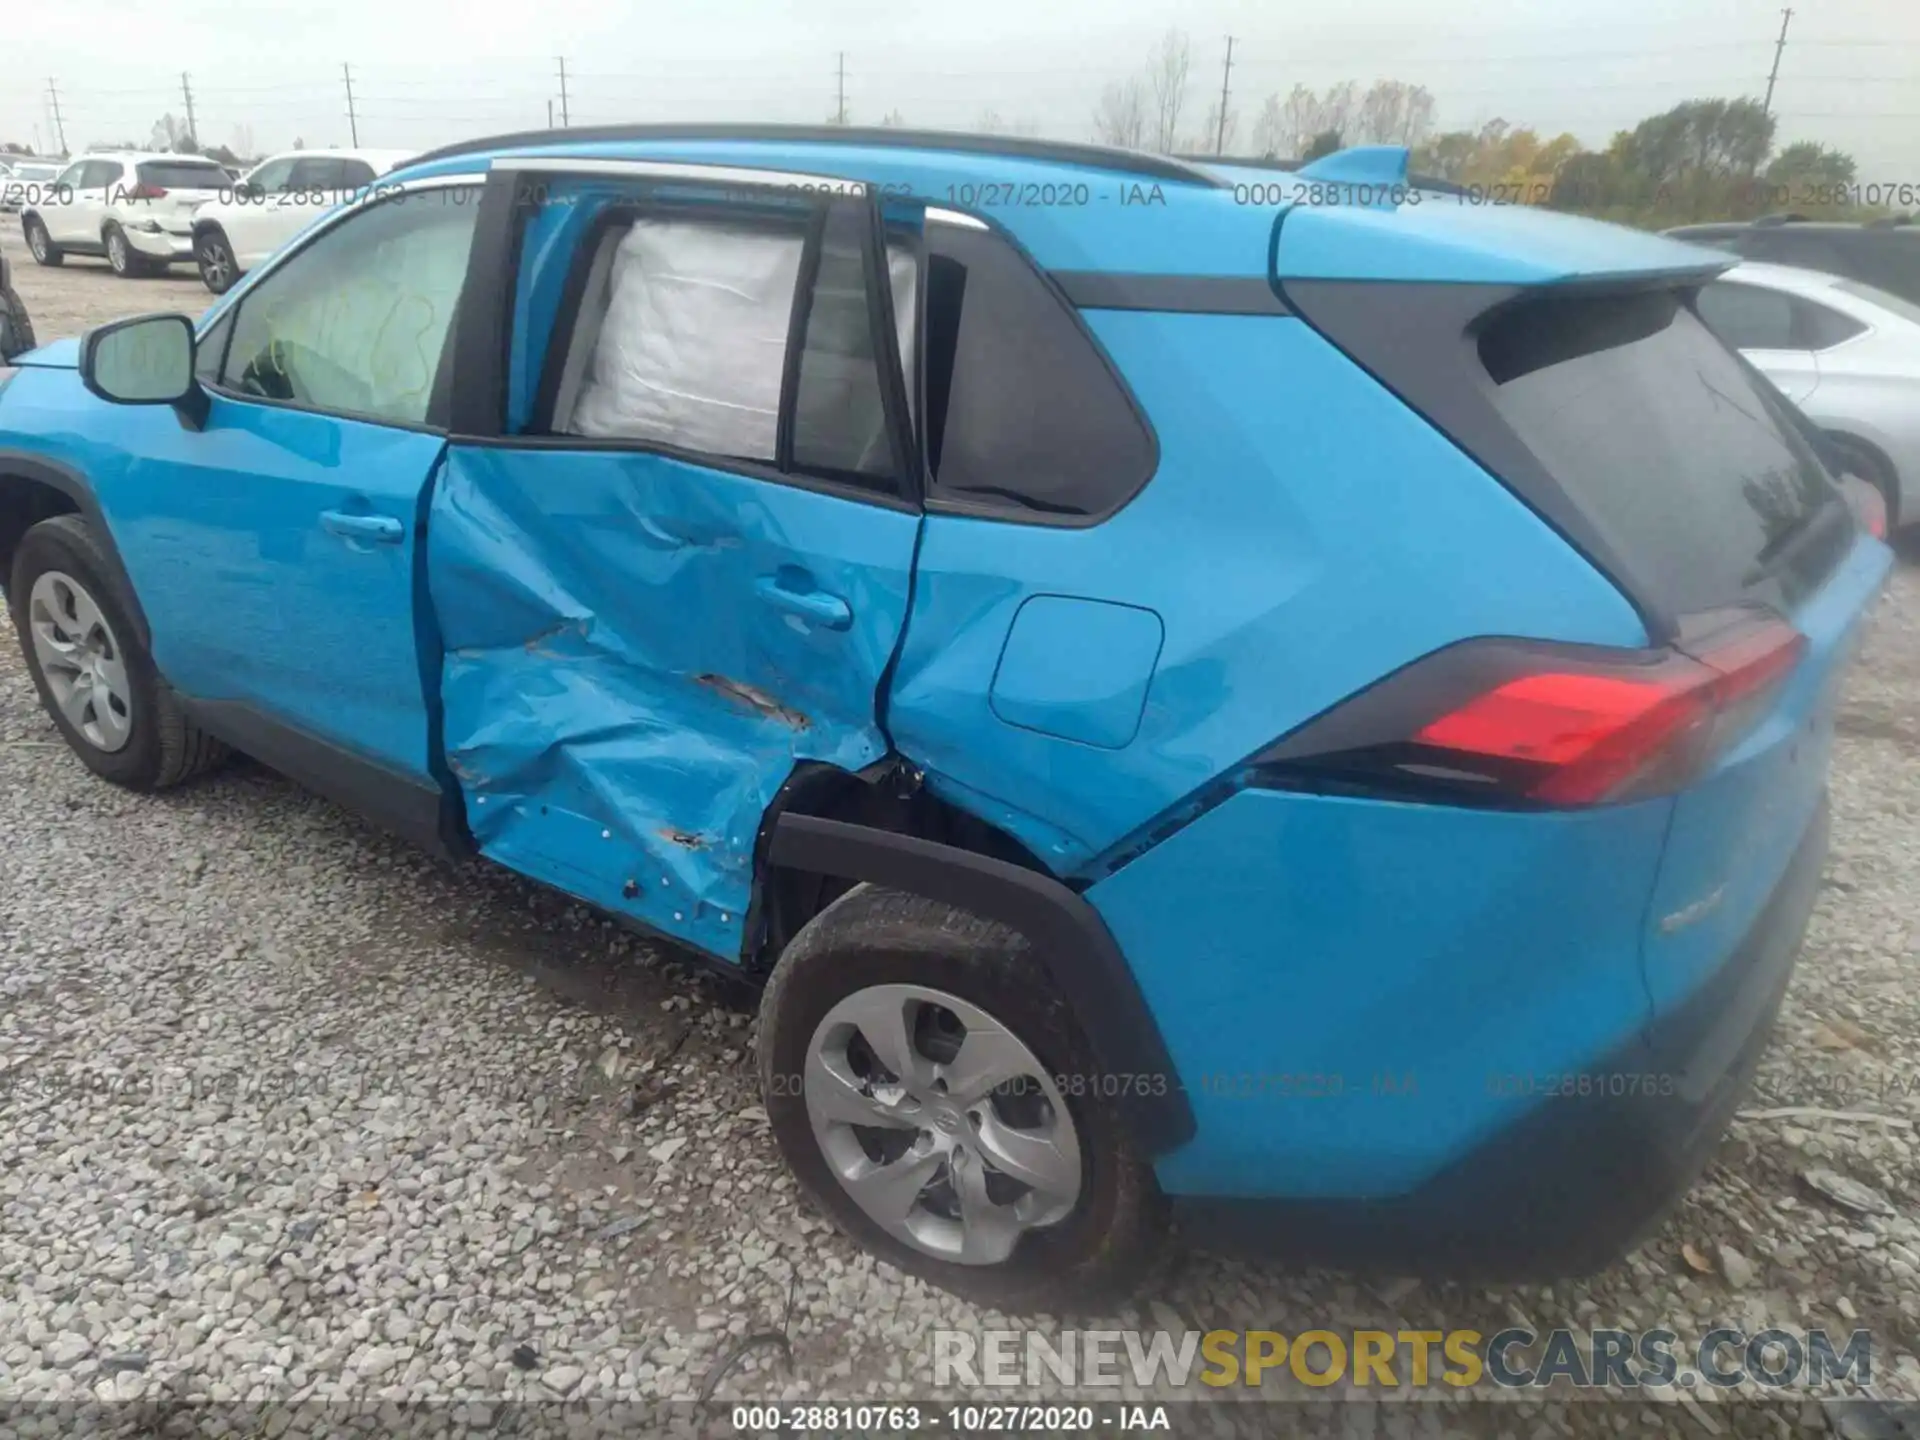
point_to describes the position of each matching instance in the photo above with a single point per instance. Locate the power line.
(59, 125)
(1779, 48)
(353, 121)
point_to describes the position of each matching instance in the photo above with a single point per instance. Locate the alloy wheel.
(117, 252)
(37, 241)
(216, 264)
(940, 1123)
(81, 659)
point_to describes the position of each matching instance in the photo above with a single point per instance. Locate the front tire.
(927, 1085)
(214, 255)
(40, 244)
(95, 678)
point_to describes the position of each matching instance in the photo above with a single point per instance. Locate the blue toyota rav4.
(1292, 703)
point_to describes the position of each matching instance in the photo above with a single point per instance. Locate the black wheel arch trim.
(1066, 932)
(22, 464)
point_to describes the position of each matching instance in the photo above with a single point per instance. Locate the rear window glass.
(1680, 460)
(177, 175)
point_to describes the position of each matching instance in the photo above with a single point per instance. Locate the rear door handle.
(818, 606)
(375, 529)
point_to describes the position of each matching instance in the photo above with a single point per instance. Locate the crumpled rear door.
(641, 641)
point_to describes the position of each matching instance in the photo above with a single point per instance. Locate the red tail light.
(144, 191)
(1507, 722)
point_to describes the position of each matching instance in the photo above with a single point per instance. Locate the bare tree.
(990, 122)
(172, 135)
(1300, 120)
(1215, 138)
(1121, 117)
(1270, 129)
(1167, 81)
(242, 142)
(1393, 112)
(893, 120)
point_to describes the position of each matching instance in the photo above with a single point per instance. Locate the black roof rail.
(1100, 157)
(1784, 217)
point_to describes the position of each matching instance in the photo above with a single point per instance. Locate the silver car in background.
(1847, 354)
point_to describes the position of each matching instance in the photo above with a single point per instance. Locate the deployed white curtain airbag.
(691, 347)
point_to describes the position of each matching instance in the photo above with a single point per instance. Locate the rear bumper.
(1579, 1179)
(160, 244)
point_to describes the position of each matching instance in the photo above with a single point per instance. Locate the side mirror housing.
(147, 360)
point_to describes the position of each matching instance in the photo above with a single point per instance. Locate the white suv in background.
(274, 201)
(133, 206)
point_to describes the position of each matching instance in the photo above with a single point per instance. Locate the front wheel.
(39, 243)
(927, 1085)
(94, 677)
(214, 256)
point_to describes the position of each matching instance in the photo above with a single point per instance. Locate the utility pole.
(1220, 134)
(565, 119)
(186, 90)
(1786, 16)
(549, 114)
(353, 120)
(59, 125)
(840, 90)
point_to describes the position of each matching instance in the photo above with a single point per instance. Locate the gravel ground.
(288, 1110)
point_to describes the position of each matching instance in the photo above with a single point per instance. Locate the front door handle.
(823, 609)
(376, 529)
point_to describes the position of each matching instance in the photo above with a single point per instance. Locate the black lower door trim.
(411, 808)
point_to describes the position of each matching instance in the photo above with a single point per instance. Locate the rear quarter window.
(1024, 414)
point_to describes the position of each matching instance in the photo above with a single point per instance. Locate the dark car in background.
(1881, 253)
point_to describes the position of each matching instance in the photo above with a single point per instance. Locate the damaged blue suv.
(1293, 703)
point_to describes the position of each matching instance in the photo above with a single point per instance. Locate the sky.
(264, 73)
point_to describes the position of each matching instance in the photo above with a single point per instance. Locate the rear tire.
(1087, 1243)
(121, 256)
(18, 322)
(40, 244)
(160, 747)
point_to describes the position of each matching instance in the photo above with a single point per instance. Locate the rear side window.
(1747, 317)
(1679, 459)
(1820, 328)
(176, 175)
(1022, 412)
(355, 173)
(839, 412)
